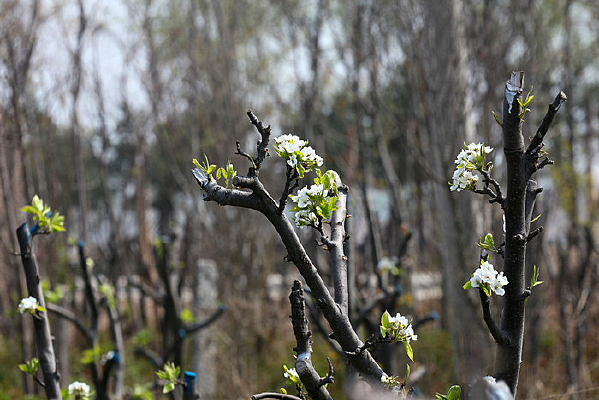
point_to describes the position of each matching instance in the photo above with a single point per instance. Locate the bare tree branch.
(336, 253)
(498, 334)
(279, 396)
(303, 364)
(69, 316)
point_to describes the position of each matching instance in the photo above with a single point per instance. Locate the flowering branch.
(258, 198)
(43, 336)
(499, 336)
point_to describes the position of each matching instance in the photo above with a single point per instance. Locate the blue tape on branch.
(303, 356)
(190, 380)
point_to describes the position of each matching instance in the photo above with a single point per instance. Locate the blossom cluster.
(79, 389)
(297, 153)
(469, 160)
(392, 382)
(398, 328)
(307, 200)
(28, 305)
(292, 376)
(318, 201)
(486, 278)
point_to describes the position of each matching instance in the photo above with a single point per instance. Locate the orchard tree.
(322, 206)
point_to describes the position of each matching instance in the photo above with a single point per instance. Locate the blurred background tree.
(104, 104)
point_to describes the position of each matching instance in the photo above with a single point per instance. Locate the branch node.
(520, 238)
(533, 234)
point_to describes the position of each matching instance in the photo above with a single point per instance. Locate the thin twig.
(497, 334)
(69, 316)
(274, 395)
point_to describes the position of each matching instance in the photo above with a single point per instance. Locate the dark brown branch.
(146, 290)
(69, 316)
(498, 196)
(207, 322)
(536, 143)
(534, 233)
(262, 145)
(372, 341)
(498, 334)
(246, 155)
(303, 363)
(227, 197)
(149, 355)
(291, 182)
(329, 378)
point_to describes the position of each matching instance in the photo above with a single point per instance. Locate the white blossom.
(304, 217)
(292, 161)
(310, 157)
(79, 389)
(386, 380)
(29, 305)
(468, 160)
(307, 199)
(296, 150)
(487, 276)
(289, 143)
(400, 329)
(290, 372)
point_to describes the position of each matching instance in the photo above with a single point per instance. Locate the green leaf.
(385, 319)
(486, 289)
(497, 119)
(454, 393)
(409, 350)
(283, 391)
(92, 355)
(169, 387)
(220, 172)
(197, 164)
(405, 381)
(162, 375)
(142, 338)
(37, 203)
(187, 316)
(30, 367)
(467, 285)
(487, 244)
(210, 169)
(29, 210)
(141, 393)
(300, 170)
(534, 280)
(489, 240)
